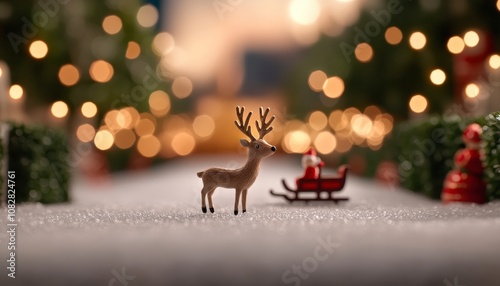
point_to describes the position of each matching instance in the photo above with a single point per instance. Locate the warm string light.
(363, 52)
(471, 39)
(455, 45)
(147, 16)
(393, 35)
(333, 87)
(38, 49)
(101, 71)
(89, 109)
(133, 50)
(472, 90)
(418, 103)
(16, 92)
(112, 24)
(68, 75)
(59, 109)
(494, 62)
(182, 87)
(418, 40)
(438, 77)
(304, 12)
(317, 80)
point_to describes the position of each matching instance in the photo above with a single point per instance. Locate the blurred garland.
(425, 151)
(40, 158)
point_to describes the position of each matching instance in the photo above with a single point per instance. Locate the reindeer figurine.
(240, 179)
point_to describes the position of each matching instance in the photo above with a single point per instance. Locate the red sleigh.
(321, 185)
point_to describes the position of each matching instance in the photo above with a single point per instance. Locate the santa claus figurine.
(464, 183)
(311, 163)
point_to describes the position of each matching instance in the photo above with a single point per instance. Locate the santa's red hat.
(310, 152)
(472, 134)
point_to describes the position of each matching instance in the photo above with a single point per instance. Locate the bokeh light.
(38, 49)
(304, 12)
(110, 120)
(203, 125)
(147, 16)
(89, 109)
(104, 140)
(471, 39)
(145, 126)
(133, 50)
(438, 77)
(498, 5)
(393, 35)
(363, 52)
(68, 75)
(112, 24)
(361, 125)
(159, 103)
(325, 142)
(101, 71)
(455, 45)
(418, 103)
(318, 120)
(182, 87)
(317, 80)
(418, 40)
(297, 141)
(124, 138)
(472, 90)
(85, 133)
(59, 109)
(16, 92)
(333, 87)
(124, 118)
(494, 61)
(183, 143)
(163, 43)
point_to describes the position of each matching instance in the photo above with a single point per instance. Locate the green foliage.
(39, 156)
(491, 160)
(425, 152)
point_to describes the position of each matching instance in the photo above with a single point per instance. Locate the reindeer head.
(257, 148)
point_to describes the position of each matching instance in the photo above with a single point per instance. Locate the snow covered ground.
(148, 229)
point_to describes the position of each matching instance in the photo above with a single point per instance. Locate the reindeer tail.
(199, 174)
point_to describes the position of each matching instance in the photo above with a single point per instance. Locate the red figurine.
(312, 164)
(465, 183)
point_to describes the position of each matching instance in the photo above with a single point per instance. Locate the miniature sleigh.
(321, 185)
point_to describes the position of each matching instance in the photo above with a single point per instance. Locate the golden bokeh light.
(145, 126)
(104, 140)
(124, 138)
(498, 5)
(124, 118)
(438, 77)
(297, 141)
(335, 120)
(372, 111)
(455, 45)
(163, 43)
(38, 49)
(343, 145)
(494, 61)
(325, 142)
(471, 39)
(304, 12)
(89, 109)
(1, 72)
(112, 24)
(472, 90)
(361, 125)
(317, 80)
(85, 133)
(133, 50)
(418, 103)
(59, 109)
(16, 92)
(418, 40)
(183, 143)
(147, 16)
(363, 52)
(182, 87)
(110, 119)
(333, 87)
(68, 75)
(393, 35)
(101, 71)
(203, 125)
(159, 103)
(317, 120)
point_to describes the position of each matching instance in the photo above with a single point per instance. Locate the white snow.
(150, 225)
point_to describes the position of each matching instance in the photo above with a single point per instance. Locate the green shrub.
(491, 157)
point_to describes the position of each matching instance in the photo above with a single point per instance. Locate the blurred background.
(138, 83)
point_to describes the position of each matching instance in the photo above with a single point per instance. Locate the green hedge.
(39, 156)
(425, 151)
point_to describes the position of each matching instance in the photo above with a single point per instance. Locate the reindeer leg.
(210, 204)
(236, 201)
(244, 201)
(204, 192)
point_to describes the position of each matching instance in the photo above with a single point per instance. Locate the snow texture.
(149, 227)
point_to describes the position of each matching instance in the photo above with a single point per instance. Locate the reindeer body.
(240, 179)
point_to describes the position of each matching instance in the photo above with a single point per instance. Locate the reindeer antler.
(264, 127)
(244, 127)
